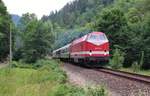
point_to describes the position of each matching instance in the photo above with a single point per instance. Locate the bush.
(135, 66)
(45, 80)
(68, 90)
(27, 80)
(99, 91)
(17, 54)
(142, 59)
(75, 91)
(21, 64)
(117, 60)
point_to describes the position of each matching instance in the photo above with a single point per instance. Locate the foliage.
(42, 81)
(135, 66)
(142, 72)
(77, 13)
(98, 91)
(117, 60)
(21, 64)
(4, 31)
(46, 80)
(112, 21)
(142, 59)
(69, 35)
(36, 38)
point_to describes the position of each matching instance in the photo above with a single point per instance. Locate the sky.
(39, 7)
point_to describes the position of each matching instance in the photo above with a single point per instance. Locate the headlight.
(90, 53)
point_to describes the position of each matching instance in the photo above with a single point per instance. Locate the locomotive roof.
(66, 46)
(95, 32)
(83, 38)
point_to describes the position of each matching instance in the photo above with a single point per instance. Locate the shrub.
(67, 90)
(46, 80)
(98, 91)
(20, 64)
(117, 60)
(142, 59)
(135, 66)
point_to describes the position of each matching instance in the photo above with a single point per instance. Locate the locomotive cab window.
(95, 37)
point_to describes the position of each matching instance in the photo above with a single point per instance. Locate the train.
(92, 47)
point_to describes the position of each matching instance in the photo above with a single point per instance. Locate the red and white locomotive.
(91, 47)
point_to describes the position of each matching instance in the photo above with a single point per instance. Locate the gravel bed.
(116, 86)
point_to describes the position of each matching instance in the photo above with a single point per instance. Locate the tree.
(4, 31)
(146, 42)
(134, 15)
(38, 40)
(112, 21)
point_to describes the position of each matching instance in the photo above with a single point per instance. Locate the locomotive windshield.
(96, 37)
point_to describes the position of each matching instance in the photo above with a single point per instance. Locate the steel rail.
(127, 75)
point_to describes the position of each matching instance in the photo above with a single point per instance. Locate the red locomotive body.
(91, 47)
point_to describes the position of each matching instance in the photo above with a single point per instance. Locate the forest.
(125, 22)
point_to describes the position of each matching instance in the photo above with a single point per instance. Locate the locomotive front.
(97, 47)
(91, 47)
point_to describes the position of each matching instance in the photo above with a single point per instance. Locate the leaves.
(118, 59)
(4, 31)
(37, 38)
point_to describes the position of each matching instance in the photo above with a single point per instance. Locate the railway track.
(119, 83)
(127, 75)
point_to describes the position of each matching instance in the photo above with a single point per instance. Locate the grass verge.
(142, 72)
(44, 78)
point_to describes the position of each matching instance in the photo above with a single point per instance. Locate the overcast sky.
(39, 7)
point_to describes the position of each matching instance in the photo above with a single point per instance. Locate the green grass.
(142, 72)
(44, 78)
